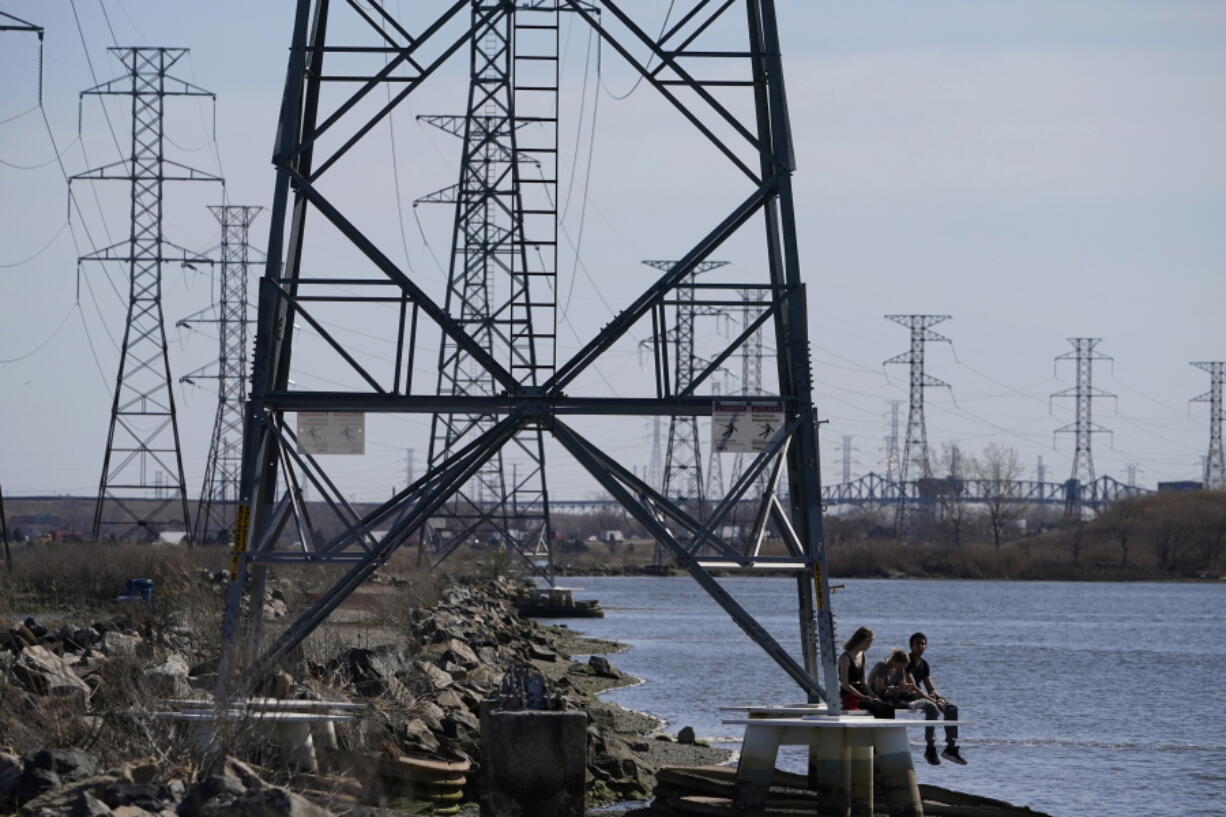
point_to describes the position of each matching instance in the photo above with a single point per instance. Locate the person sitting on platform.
(920, 674)
(890, 682)
(855, 694)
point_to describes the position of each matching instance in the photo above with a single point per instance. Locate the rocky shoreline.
(79, 732)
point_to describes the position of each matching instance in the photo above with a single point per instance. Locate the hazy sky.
(1038, 170)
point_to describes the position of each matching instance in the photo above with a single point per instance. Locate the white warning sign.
(331, 432)
(743, 428)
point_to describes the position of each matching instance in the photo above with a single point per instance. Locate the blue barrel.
(138, 589)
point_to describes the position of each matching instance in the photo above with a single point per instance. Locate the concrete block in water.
(534, 763)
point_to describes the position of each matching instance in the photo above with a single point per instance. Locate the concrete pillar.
(899, 788)
(323, 733)
(533, 764)
(294, 739)
(861, 779)
(832, 770)
(757, 767)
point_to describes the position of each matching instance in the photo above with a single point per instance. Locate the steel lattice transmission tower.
(745, 124)
(1215, 459)
(914, 462)
(682, 478)
(752, 313)
(219, 493)
(1083, 354)
(502, 277)
(846, 458)
(143, 439)
(891, 442)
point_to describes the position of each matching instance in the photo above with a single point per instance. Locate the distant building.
(1182, 485)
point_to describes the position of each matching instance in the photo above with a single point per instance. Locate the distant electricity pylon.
(846, 458)
(1132, 469)
(891, 442)
(1040, 470)
(219, 494)
(1215, 459)
(501, 285)
(914, 462)
(682, 479)
(144, 430)
(1083, 354)
(655, 469)
(752, 311)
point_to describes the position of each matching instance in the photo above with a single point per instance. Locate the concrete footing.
(534, 764)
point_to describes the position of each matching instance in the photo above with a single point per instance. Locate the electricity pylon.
(1215, 459)
(219, 492)
(746, 124)
(503, 272)
(683, 480)
(891, 442)
(1083, 427)
(143, 438)
(914, 462)
(751, 313)
(846, 458)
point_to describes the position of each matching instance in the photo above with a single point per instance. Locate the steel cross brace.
(600, 467)
(433, 495)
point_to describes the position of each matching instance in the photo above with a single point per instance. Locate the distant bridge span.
(874, 489)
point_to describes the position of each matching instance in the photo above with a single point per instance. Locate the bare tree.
(1170, 536)
(954, 515)
(1122, 519)
(1077, 535)
(998, 469)
(1211, 527)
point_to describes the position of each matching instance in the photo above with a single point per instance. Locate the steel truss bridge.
(874, 489)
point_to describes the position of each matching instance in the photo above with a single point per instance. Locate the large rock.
(454, 651)
(148, 796)
(437, 677)
(275, 803)
(89, 806)
(168, 679)
(10, 770)
(42, 672)
(67, 795)
(372, 671)
(244, 773)
(217, 793)
(33, 783)
(70, 764)
(117, 643)
(603, 667)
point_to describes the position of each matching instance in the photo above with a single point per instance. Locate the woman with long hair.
(854, 692)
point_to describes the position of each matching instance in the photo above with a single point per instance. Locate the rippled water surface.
(1087, 699)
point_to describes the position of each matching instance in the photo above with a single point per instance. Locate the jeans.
(932, 712)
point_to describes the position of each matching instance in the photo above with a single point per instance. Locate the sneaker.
(930, 755)
(951, 753)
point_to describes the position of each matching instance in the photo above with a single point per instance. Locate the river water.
(1087, 699)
